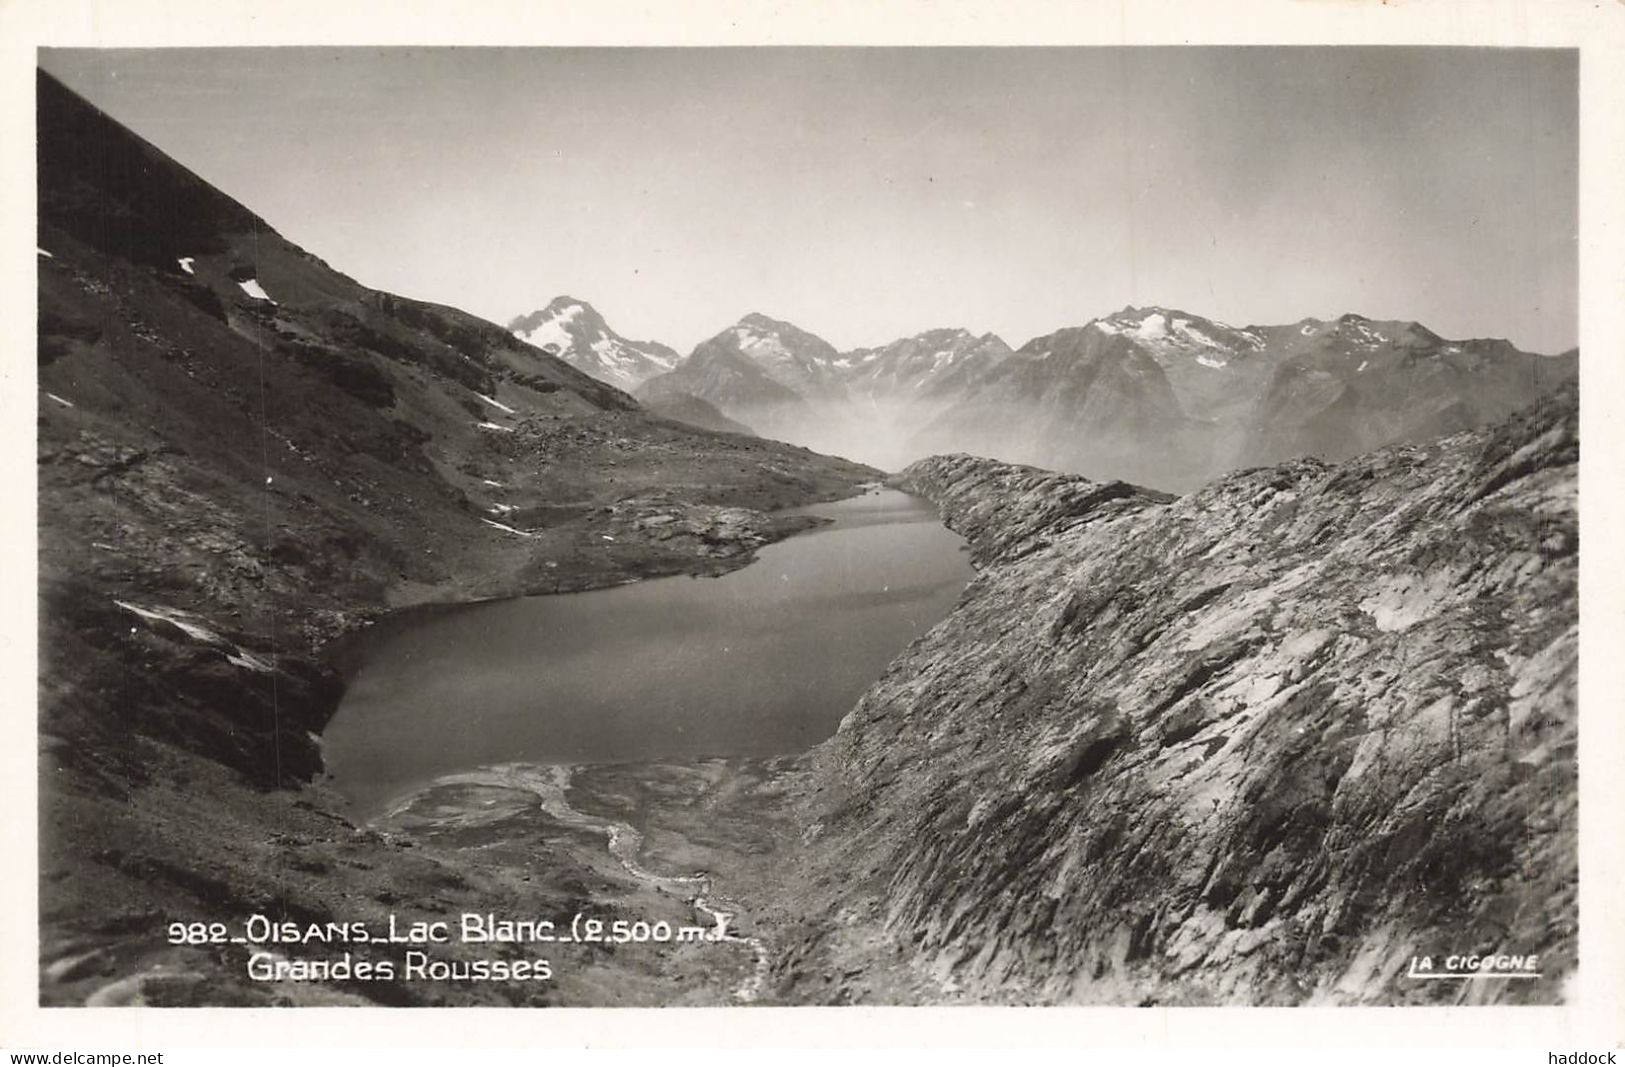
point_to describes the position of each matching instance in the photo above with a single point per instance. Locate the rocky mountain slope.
(897, 389)
(244, 455)
(1344, 387)
(691, 410)
(1079, 399)
(933, 363)
(790, 355)
(1259, 744)
(574, 331)
(757, 361)
(775, 381)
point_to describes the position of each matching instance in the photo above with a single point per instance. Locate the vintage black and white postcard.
(905, 513)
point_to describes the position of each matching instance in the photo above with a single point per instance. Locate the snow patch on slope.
(612, 354)
(186, 622)
(504, 527)
(252, 287)
(1185, 329)
(1154, 327)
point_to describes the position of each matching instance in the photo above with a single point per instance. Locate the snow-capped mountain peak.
(790, 355)
(1169, 332)
(574, 331)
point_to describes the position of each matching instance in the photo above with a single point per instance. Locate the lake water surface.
(762, 661)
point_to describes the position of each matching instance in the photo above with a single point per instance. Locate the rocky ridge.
(1259, 744)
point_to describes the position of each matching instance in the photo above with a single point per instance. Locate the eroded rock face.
(1259, 744)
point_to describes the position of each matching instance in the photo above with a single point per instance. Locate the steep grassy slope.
(1259, 744)
(243, 455)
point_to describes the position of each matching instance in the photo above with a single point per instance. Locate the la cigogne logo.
(1470, 965)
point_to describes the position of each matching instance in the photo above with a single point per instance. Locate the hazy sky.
(869, 193)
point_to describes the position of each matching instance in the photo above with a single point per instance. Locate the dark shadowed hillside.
(244, 455)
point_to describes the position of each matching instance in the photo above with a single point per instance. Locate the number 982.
(197, 933)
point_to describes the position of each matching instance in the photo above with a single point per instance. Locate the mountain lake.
(762, 661)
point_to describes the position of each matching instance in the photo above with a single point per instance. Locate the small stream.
(551, 786)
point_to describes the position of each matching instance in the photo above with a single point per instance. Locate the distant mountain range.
(1154, 395)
